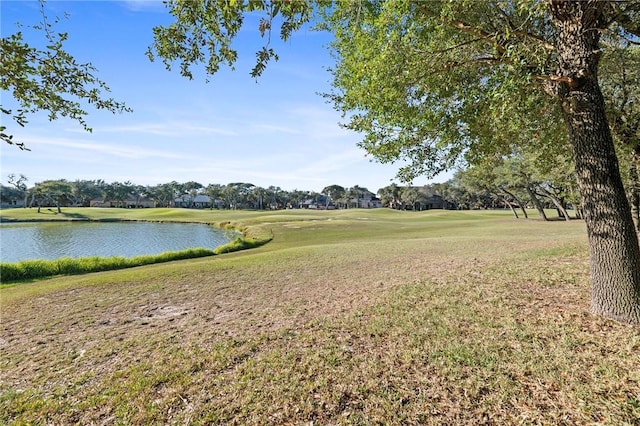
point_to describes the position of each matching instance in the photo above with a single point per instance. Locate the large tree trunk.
(634, 189)
(613, 242)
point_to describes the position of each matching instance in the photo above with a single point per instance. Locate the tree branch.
(464, 27)
(535, 37)
(556, 79)
(448, 49)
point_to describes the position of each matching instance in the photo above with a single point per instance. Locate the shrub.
(32, 269)
(28, 269)
(11, 271)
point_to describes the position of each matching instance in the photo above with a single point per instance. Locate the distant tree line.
(238, 195)
(517, 183)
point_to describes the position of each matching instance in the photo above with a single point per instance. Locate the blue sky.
(272, 131)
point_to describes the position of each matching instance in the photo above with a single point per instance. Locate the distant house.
(10, 203)
(101, 202)
(198, 202)
(368, 200)
(11, 197)
(129, 203)
(433, 201)
(140, 203)
(427, 200)
(321, 202)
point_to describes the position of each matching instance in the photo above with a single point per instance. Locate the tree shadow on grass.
(76, 216)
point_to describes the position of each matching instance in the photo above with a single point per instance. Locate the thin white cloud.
(320, 123)
(333, 162)
(131, 151)
(167, 129)
(221, 173)
(272, 128)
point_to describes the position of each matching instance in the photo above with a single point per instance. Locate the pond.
(53, 240)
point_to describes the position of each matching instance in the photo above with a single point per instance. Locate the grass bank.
(28, 270)
(349, 317)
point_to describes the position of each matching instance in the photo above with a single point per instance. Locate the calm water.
(41, 240)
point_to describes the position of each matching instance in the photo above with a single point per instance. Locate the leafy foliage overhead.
(48, 79)
(203, 32)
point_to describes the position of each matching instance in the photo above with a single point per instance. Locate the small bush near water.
(239, 244)
(33, 269)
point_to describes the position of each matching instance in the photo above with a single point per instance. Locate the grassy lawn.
(345, 317)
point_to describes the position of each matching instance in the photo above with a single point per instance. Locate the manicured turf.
(345, 317)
